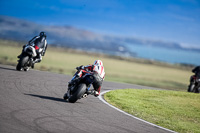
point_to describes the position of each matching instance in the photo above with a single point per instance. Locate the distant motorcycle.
(81, 89)
(193, 87)
(26, 58)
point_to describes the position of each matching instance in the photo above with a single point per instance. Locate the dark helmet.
(43, 34)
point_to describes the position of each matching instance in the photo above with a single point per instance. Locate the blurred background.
(161, 30)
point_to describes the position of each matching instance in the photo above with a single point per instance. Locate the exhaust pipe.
(84, 96)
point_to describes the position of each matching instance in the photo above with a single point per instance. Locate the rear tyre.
(78, 93)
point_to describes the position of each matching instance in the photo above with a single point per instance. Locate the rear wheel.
(78, 93)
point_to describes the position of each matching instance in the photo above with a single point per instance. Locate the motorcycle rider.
(40, 45)
(98, 72)
(196, 70)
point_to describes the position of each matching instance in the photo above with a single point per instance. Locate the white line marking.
(101, 98)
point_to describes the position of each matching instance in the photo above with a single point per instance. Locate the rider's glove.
(80, 67)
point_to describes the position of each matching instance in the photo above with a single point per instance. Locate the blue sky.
(165, 20)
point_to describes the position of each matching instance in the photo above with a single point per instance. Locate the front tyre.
(65, 97)
(18, 67)
(198, 90)
(22, 62)
(78, 93)
(191, 88)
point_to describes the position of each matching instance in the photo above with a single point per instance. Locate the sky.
(164, 20)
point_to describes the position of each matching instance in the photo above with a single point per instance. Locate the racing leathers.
(40, 45)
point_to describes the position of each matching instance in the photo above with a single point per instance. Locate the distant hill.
(67, 36)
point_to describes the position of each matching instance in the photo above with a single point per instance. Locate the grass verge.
(175, 110)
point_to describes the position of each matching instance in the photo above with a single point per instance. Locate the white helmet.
(98, 67)
(98, 63)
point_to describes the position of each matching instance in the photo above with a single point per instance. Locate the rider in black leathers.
(40, 45)
(196, 70)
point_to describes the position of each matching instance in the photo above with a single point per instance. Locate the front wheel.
(81, 89)
(18, 67)
(65, 97)
(191, 88)
(198, 90)
(22, 62)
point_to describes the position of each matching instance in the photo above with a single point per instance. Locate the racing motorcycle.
(26, 58)
(194, 81)
(81, 89)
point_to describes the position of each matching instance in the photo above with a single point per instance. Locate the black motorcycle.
(26, 58)
(194, 84)
(81, 89)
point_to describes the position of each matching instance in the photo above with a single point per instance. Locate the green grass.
(118, 69)
(175, 110)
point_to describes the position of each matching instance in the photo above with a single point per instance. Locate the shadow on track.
(48, 98)
(7, 68)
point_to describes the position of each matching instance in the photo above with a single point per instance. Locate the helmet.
(43, 34)
(98, 63)
(98, 67)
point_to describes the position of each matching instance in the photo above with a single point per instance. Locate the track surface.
(31, 102)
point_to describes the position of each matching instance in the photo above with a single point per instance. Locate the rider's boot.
(96, 93)
(35, 61)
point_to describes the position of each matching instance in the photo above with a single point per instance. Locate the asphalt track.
(31, 102)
